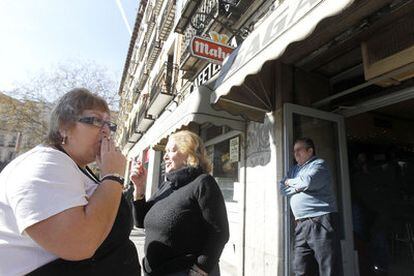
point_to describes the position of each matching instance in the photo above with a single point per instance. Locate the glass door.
(327, 130)
(224, 152)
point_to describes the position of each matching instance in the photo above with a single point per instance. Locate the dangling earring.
(64, 140)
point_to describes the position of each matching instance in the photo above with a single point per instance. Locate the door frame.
(348, 253)
(240, 205)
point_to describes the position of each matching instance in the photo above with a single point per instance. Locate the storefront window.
(225, 159)
(161, 176)
(210, 131)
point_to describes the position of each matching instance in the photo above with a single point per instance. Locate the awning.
(195, 108)
(291, 21)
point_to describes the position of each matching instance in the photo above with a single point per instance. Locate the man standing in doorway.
(308, 187)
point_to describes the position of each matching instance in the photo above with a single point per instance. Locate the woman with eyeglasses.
(56, 216)
(185, 221)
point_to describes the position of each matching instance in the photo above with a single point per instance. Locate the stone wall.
(263, 218)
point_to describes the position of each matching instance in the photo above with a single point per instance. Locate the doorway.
(381, 163)
(328, 132)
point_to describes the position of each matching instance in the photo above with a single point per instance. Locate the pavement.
(138, 237)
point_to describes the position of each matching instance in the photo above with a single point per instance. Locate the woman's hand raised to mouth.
(110, 159)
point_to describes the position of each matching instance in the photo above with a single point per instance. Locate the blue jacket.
(310, 189)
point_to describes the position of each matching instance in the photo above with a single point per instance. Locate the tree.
(28, 107)
(28, 117)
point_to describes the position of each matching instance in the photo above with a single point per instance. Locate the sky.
(36, 35)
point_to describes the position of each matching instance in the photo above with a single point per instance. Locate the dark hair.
(308, 142)
(67, 110)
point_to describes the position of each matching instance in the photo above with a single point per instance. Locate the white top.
(35, 186)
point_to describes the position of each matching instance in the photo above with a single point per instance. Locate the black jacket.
(185, 223)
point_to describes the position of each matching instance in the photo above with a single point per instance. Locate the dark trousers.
(214, 272)
(317, 246)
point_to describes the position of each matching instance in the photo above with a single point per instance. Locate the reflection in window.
(225, 167)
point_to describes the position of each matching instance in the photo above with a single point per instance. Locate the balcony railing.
(126, 143)
(153, 52)
(142, 50)
(162, 90)
(143, 120)
(157, 6)
(165, 79)
(142, 81)
(150, 28)
(155, 11)
(185, 14)
(167, 20)
(185, 54)
(190, 64)
(133, 134)
(135, 94)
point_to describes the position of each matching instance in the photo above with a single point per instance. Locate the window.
(162, 173)
(209, 131)
(12, 141)
(10, 156)
(224, 156)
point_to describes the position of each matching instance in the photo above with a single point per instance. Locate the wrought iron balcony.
(167, 20)
(157, 6)
(185, 15)
(142, 50)
(153, 52)
(125, 142)
(143, 77)
(150, 25)
(190, 64)
(162, 90)
(135, 94)
(134, 136)
(124, 139)
(143, 120)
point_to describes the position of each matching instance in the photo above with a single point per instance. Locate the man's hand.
(287, 182)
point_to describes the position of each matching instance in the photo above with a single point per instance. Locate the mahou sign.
(210, 50)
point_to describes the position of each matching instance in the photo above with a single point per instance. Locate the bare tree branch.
(32, 101)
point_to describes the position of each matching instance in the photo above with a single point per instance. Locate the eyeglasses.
(95, 121)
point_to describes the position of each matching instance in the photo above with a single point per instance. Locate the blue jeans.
(317, 247)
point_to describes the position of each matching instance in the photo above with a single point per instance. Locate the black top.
(185, 223)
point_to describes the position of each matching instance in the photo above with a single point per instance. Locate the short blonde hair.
(192, 145)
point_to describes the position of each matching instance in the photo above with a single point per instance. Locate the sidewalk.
(138, 237)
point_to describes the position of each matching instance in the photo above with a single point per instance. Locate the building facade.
(9, 140)
(340, 72)
(22, 126)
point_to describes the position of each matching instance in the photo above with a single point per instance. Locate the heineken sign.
(208, 49)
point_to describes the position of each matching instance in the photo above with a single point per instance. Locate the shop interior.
(381, 164)
(366, 71)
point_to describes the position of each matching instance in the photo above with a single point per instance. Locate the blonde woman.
(185, 221)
